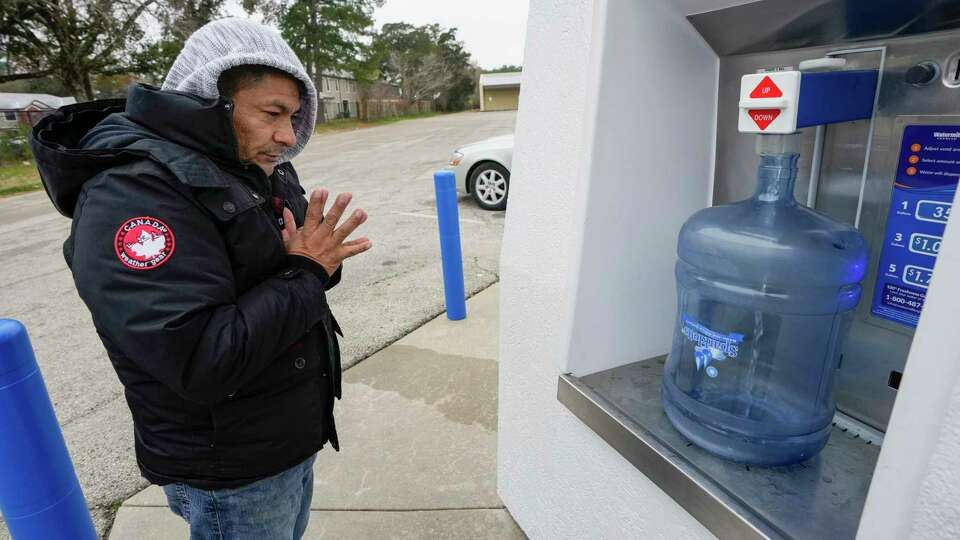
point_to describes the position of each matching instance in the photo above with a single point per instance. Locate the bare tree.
(70, 39)
(428, 62)
(421, 78)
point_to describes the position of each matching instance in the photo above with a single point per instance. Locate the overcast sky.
(492, 30)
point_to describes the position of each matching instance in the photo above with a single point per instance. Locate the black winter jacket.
(224, 344)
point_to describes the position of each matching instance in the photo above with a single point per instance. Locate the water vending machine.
(800, 288)
(872, 91)
(890, 173)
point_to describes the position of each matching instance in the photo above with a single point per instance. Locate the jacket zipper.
(213, 421)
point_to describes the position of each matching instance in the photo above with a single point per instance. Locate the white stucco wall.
(649, 165)
(556, 476)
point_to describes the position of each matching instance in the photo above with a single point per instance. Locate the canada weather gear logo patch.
(144, 243)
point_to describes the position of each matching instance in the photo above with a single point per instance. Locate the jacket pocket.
(227, 203)
(250, 232)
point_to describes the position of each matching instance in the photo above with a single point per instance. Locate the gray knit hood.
(221, 45)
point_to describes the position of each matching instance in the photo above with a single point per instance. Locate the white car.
(483, 171)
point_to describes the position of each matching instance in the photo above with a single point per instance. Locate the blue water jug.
(766, 289)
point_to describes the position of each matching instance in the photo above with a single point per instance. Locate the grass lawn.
(18, 178)
(349, 124)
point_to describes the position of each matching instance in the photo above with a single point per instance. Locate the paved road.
(385, 293)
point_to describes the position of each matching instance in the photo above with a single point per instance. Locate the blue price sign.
(909, 300)
(915, 275)
(926, 244)
(926, 181)
(935, 211)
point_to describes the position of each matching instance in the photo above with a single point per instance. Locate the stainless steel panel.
(820, 498)
(875, 347)
(774, 25)
(844, 155)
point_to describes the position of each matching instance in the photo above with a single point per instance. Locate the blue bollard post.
(40, 497)
(448, 216)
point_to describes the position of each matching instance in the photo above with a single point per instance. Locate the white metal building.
(500, 91)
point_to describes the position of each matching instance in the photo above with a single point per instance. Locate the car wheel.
(489, 184)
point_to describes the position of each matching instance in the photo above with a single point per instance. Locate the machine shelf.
(819, 498)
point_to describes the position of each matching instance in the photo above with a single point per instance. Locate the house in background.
(28, 109)
(341, 96)
(499, 91)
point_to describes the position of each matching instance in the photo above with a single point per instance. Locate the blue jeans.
(275, 508)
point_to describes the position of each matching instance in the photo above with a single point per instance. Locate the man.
(205, 271)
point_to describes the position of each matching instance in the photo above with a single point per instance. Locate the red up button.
(766, 89)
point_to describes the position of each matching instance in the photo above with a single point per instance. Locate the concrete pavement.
(418, 432)
(385, 293)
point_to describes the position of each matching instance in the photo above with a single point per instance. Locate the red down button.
(763, 117)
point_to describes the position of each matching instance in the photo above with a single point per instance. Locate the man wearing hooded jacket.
(205, 271)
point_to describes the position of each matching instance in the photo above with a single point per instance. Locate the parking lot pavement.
(385, 293)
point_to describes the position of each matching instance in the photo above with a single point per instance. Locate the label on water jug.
(710, 346)
(923, 191)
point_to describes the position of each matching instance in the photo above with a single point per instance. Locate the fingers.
(289, 225)
(337, 209)
(355, 220)
(354, 247)
(314, 218)
(318, 200)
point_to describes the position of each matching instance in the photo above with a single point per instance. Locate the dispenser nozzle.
(773, 143)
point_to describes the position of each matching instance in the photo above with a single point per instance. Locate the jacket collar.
(200, 124)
